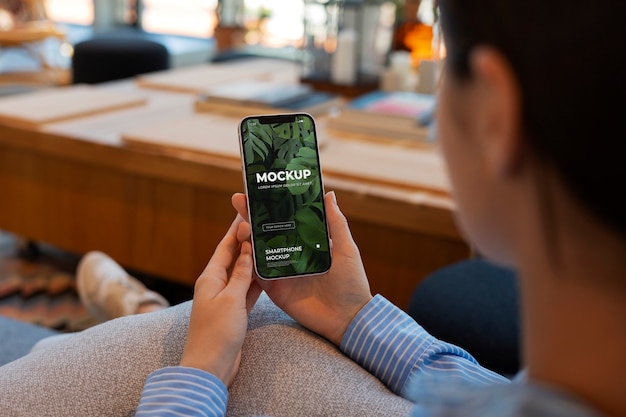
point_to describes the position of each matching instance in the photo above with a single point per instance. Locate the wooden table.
(77, 185)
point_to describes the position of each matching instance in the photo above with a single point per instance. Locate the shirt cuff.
(386, 342)
(180, 390)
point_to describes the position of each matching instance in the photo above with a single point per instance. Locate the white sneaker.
(108, 292)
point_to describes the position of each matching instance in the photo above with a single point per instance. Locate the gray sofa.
(285, 370)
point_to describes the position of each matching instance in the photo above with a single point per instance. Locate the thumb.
(241, 275)
(240, 203)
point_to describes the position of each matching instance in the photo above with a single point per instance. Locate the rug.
(38, 285)
(40, 289)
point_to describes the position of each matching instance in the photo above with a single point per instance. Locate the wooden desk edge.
(402, 209)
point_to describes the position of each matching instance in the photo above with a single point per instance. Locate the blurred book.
(246, 97)
(389, 114)
(197, 78)
(34, 109)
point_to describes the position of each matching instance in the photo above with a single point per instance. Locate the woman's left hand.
(221, 302)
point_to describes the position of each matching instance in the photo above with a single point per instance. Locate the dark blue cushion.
(112, 58)
(474, 305)
(17, 338)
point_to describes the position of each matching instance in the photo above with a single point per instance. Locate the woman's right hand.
(325, 304)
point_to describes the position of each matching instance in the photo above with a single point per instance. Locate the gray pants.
(285, 370)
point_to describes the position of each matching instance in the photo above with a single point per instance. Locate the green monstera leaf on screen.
(257, 142)
(261, 215)
(311, 227)
(291, 137)
(306, 158)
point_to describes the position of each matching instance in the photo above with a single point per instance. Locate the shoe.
(108, 292)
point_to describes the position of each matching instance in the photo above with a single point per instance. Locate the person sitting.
(515, 125)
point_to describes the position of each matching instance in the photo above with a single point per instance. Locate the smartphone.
(283, 183)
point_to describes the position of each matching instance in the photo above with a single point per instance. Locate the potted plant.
(229, 32)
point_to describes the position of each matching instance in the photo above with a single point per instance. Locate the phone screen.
(285, 195)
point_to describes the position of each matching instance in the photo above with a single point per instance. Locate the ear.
(499, 115)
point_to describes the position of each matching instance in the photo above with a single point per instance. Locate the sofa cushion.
(17, 338)
(285, 370)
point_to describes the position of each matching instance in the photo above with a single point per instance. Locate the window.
(78, 12)
(179, 17)
(274, 23)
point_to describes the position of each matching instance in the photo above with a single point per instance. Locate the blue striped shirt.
(182, 391)
(442, 379)
(390, 345)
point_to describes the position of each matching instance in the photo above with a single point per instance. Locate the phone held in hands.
(283, 183)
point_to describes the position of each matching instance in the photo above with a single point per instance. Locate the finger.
(241, 276)
(227, 249)
(244, 231)
(337, 223)
(215, 276)
(240, 203)
(244, 235)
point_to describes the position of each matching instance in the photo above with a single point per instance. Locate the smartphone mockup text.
(283, 184)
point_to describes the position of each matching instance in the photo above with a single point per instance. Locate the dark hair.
(570, 60)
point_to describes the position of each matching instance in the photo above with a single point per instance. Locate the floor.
(37, 285)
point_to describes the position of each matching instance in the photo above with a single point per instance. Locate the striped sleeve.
(393, 347)
(182, 391)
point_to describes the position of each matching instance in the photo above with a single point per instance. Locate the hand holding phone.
(223, 296)
(324, 304)
(283, 183)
